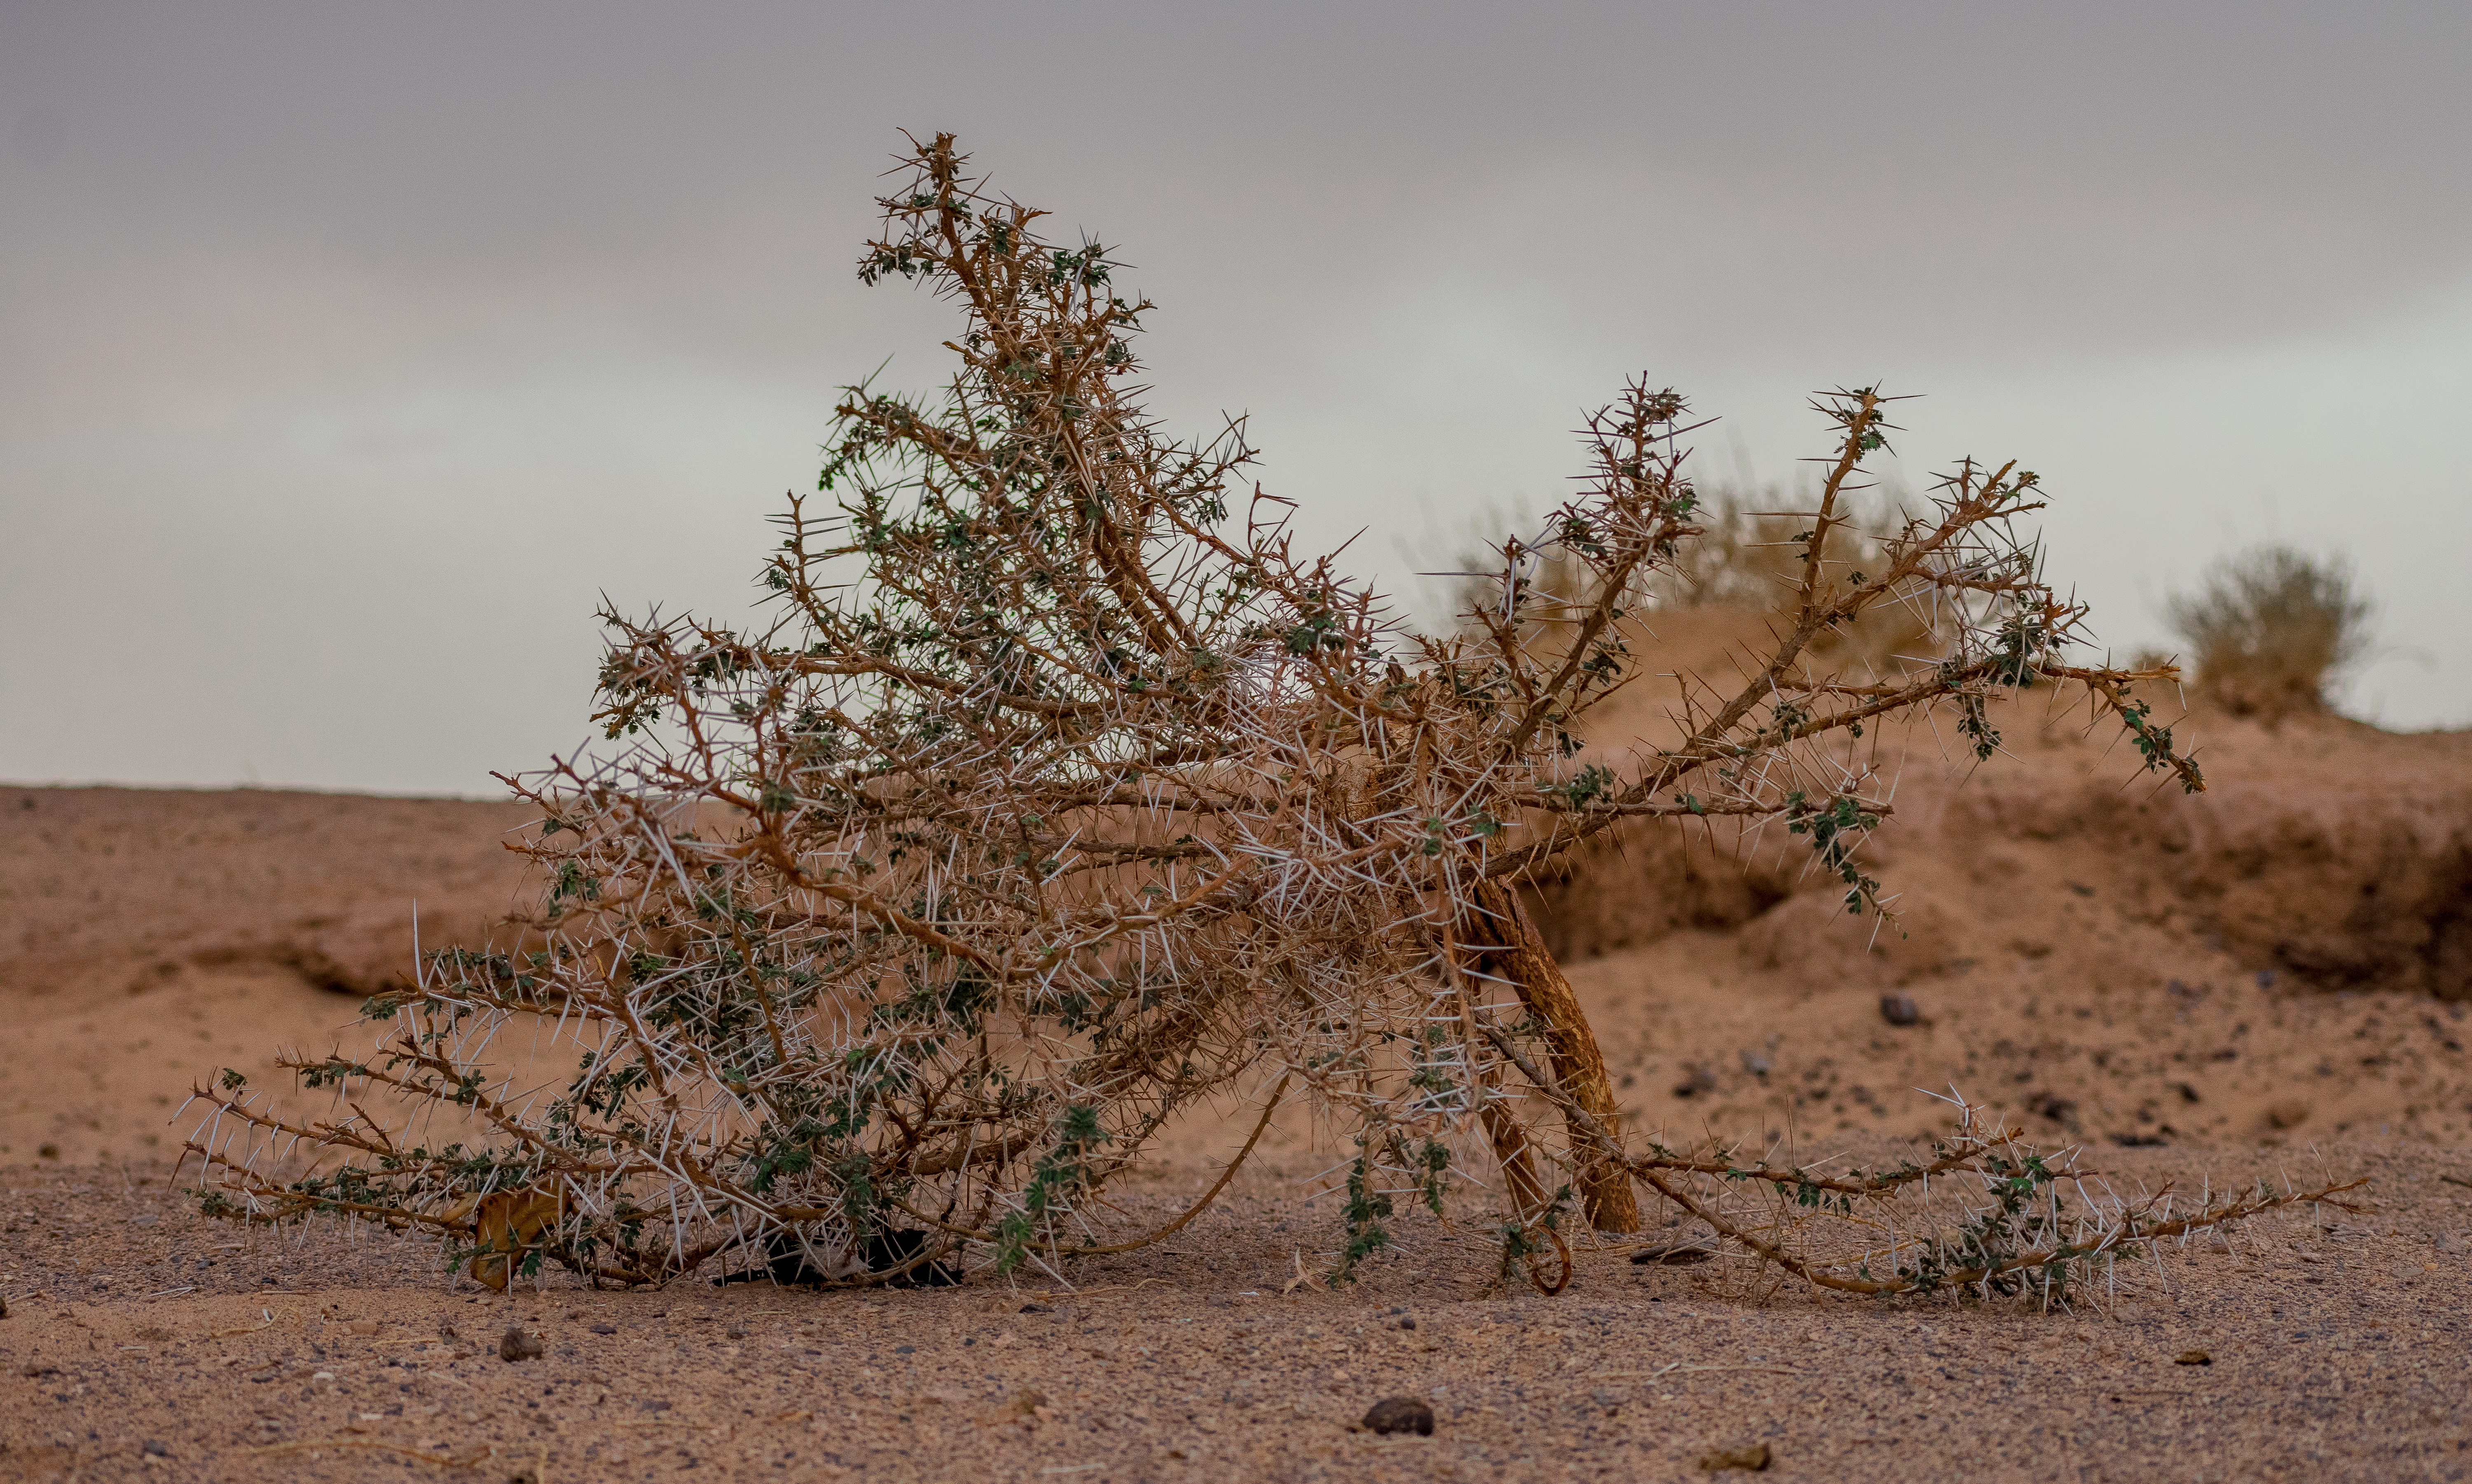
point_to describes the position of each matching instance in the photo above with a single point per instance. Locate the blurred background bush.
(2273, 628)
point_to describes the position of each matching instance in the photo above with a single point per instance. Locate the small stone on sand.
(1400, 1414)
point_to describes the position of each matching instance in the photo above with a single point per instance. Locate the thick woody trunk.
(1605, 1189)
(1510, 1140)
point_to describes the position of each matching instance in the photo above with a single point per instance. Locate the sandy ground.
(2269, 980)
(149, 936)
(146, 1343)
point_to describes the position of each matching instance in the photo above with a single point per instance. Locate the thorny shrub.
(1061, 797)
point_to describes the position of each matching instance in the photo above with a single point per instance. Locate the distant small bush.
(2273, 628)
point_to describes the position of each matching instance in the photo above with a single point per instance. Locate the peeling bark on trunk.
(1605, 1189)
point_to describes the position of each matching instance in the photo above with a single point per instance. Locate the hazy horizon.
(352, 356)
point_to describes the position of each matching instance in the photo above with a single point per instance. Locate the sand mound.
(2109, 960)
(2324, 851)
(325, 885)
(149, 936)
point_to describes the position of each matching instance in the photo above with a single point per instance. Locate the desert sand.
(2270, 979)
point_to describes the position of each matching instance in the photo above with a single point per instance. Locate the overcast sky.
(349, 354)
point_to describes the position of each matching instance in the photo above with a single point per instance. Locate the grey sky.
(348, 353)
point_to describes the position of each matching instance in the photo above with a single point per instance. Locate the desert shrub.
(1742, 554)
(1060, 795)
(2271, 628)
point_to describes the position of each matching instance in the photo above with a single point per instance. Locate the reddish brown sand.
(2251, 978)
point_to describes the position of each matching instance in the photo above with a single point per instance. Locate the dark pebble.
(605, 1329)
(1037, 1308)
(1400, 1414)
(514, 1345)
(1899, 1009)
